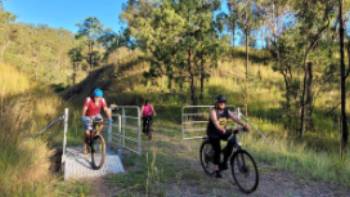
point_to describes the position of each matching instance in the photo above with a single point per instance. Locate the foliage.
(37, 50)
(179, 39)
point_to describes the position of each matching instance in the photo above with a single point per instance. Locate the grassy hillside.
(39, 51)
(25, 161)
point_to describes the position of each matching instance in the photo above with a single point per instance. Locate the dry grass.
(12, 82)
(24, 161)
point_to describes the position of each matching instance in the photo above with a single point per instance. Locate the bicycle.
(242, 164)
(147, 127)
(97, 145)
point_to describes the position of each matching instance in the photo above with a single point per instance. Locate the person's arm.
(84, 111)
(154, 111)
(215, 120)
(107, 110)
(85, 107)
(238, 121)
(142, 111)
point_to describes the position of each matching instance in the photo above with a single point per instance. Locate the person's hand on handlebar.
(246, 128)
(110, 121)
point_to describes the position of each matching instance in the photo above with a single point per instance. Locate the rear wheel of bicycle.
(98, 152)
(244, 171)
(207, 158)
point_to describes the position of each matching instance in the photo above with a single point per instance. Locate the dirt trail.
(272, 183)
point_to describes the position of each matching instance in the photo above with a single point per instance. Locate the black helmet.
(220, 99)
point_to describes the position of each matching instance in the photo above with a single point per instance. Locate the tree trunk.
(343, 118)
(201, 96)
(308, 97)
(91, 49)
(170, 82)
(246, 72)
(233, 33)
(302, 106)
(306, 101)
(192, 79)
(74, 76)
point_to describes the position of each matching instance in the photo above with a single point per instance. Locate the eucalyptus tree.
(76, 58)
(249, 14)
(111, 41)
(90, 30)
(179, 38)
(311, 26)
(343, 75)
(232, 19)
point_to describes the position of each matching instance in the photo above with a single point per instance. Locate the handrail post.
(123, 127)
(139, 147)
(239, 113)
(65, 130)
(109, 130)
(182, 122)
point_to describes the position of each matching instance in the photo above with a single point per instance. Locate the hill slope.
(25, 162)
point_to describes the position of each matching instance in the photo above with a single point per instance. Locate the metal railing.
(65, 130)
(126, 130)
(194, 120)
(62, 118)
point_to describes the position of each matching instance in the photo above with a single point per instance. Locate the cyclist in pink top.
(148, 112)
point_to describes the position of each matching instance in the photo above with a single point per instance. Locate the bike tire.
(98, 152)
(206, 154)
(243, 157)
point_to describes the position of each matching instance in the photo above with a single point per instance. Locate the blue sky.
(66, 13)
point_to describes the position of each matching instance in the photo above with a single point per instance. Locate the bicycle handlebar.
(237, 130)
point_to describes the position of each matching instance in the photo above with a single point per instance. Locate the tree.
(303, 40)
(343, 117)
(312, 24)
(177, 37)
(232, 18)
(249, 14)
(91, 29)
(111, 41)
(76, 57)
(201, 41)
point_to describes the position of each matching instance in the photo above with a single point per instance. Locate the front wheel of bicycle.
(207, 158)
(98, 152)
(244, 171)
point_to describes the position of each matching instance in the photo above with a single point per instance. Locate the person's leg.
(87, 123)
(100, 118)
(144, 119)
(149, 127)
(215, 142)
(231, 142)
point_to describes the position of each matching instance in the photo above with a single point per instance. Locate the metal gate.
(194, 120)
(126, 129)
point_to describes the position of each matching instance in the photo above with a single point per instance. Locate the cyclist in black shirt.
(216, 132)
